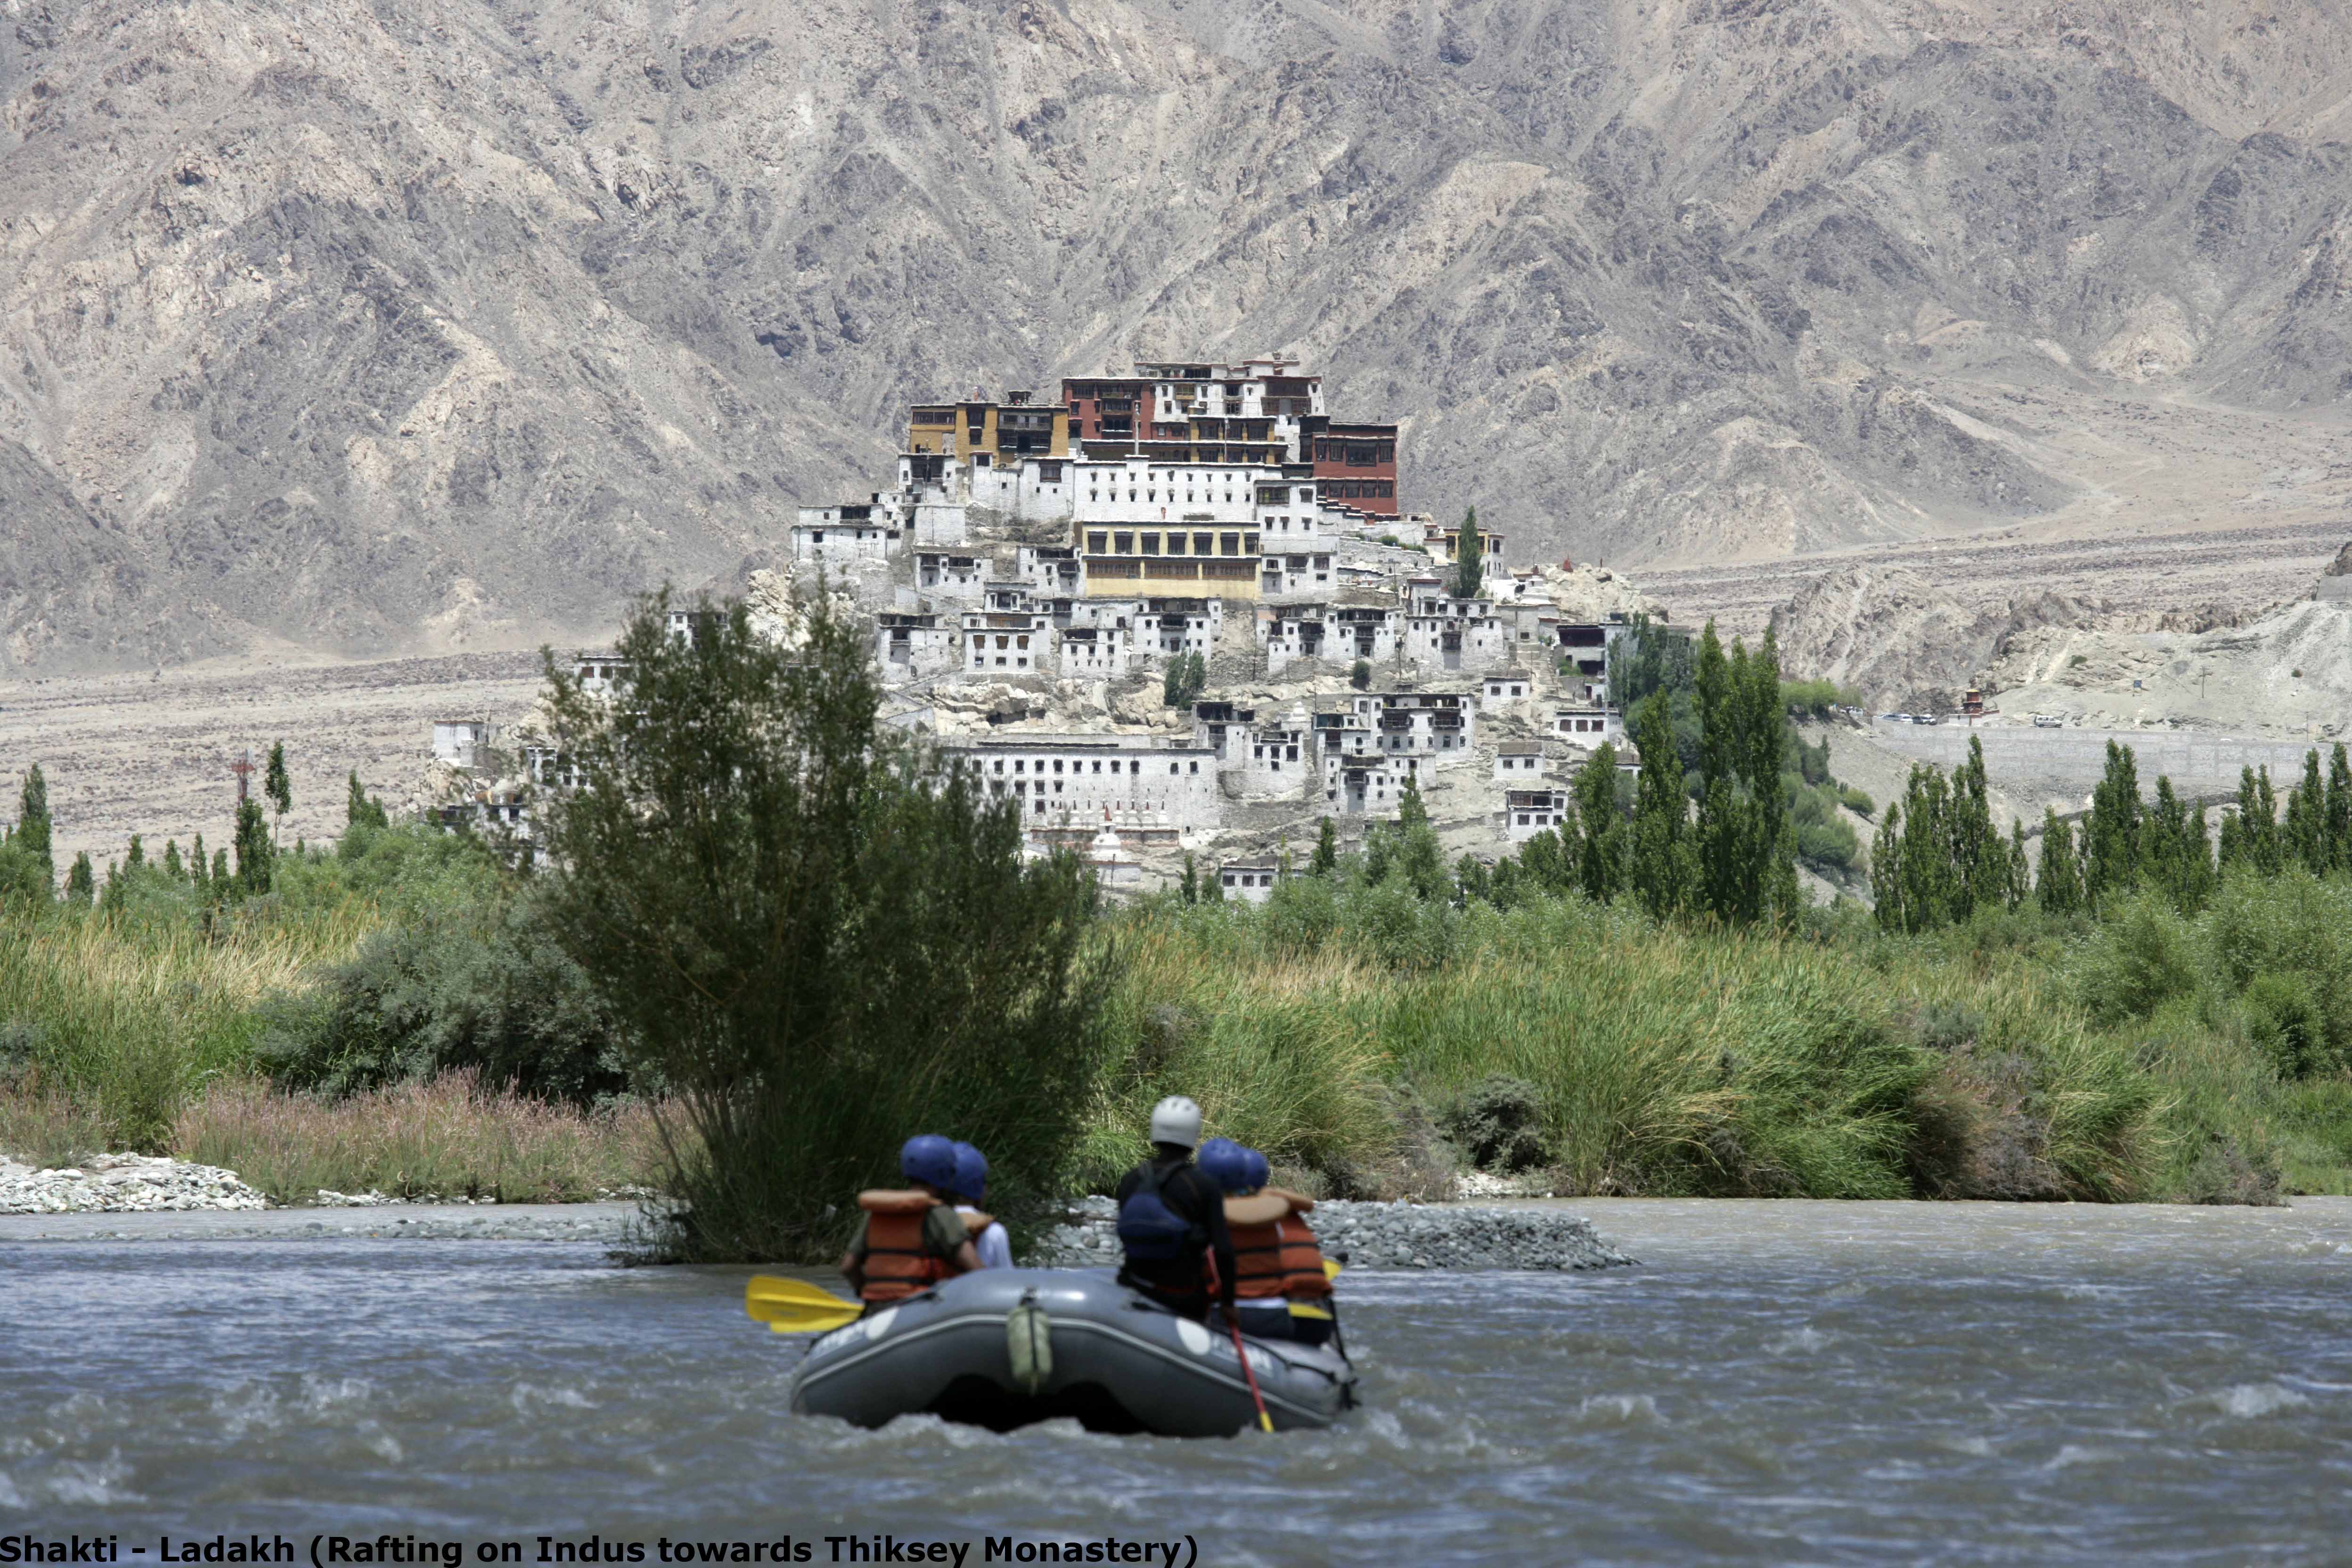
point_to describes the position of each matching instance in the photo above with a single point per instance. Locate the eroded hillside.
(431, 323)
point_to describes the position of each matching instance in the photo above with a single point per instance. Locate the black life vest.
(1151, 1231)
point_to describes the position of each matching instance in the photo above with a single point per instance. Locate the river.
(1777, 1382)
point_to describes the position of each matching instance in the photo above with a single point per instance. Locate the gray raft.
(1112, 1360)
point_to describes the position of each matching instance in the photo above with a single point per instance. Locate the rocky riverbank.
(1380, 1235)
(122, 1184)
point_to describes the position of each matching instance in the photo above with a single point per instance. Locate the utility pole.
(243, 769)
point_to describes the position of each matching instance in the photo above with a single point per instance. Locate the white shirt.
(995, 1248)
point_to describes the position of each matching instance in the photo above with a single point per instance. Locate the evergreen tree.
(1720, 834)
(136, 856)
(1212, 887)
(2021, 865)
(1980, 861)
(2111, 833)
(1412, 812)
(81, 886)
(32, 826)
(1188, 886)
(1469, 558)
(173, 868)
(1663, 866)
(1325, 859)
(2175, 858)
(1360, 678)
(2058, 882)
(254, 852)
(1474, 880)
(1420, 858)
(275, 785)
(200, 869)
(220, 879)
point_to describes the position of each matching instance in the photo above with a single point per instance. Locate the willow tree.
(825, 937)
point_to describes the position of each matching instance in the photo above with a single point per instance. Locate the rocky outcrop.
(122, 1184)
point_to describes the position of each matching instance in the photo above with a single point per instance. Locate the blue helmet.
(1258, 1170)
(970, 1174)
(1225, 1163)
(929, 1159)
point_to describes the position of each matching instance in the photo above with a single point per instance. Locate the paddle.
(797, 1307)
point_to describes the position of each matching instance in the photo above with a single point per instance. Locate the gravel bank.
(608, 1225)
(122, 1184)
(1382, 1235)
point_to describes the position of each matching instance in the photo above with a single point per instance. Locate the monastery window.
(1196, 767)
(1020, 642)
(1095, 542)
(1124, 543)
(1171, 769)
(1151, 544)
(1230, 544)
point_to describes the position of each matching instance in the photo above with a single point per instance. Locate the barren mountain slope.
(386, 323)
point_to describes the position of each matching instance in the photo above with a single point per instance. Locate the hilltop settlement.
(1180, 616)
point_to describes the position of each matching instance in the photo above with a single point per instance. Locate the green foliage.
(1499, 1123)
(1604, 836)
(1361, 677)
(1743, 840)
(451, 992)
(33, 830)
(813, 934)
(1186, 678)
(276, 787)
(1817, 698)
(359, 811)
(25, 877)
(1662, 868)
(2058, 880)
(255, 856)
(1937, 857)
(2111, 831)
(1325, 859)
(1856, 801)
(1648, 658)
(1823, 837)
(81, 885)
(1469, 558)
(2285, 1022)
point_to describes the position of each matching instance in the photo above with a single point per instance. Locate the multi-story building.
(1221, 727)
(1445, 634)
(950, 575)
(1589, 725)
(1504, 688)
(1519, 763)
(1355, 465)
(1062, 779)
(910, 647)
(1281, 759)
(461, 743)
(1097, 653)
(1051, 569)
(1248, 881)
(1000, 642)
(1528, 812)
(1359, 785)
(983, 434)
(1196, 411)
(1422, 724)
(843, 535)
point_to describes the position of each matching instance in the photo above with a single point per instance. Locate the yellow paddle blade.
(1301, 1310)
(795, 1305)
(1330, 1269)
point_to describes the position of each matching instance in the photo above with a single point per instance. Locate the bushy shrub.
(1498, 1122)
(1856, 801)
(2284, 1021)
(427, 997)
(2138, 960)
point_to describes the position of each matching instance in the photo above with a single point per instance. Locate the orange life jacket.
(1275, 1253)
(898, 1264)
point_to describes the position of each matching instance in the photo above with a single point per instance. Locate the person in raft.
(1280, 1285)
(1172, 1220)
(913, 1239)
(988, 1237)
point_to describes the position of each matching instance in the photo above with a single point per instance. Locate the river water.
(1777, 1382)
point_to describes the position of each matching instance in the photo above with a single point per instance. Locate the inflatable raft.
(1005, 1347)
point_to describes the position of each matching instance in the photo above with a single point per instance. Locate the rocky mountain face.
(378, 324)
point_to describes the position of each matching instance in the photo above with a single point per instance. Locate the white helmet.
(1176, 1119)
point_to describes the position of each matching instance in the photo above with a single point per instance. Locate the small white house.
(460, 742)
(1520, 762)
(1502, 689)
(1528, 812)
(1250, 882)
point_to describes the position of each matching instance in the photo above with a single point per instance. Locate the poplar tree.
(2111, 833)
(253, 853)
(1469, 558)
(2058, 882)
(2251, 838)
(2339, 811)
(33, 828)
(81, 885)
(1601, 827)
(1325, 858)
(2174, 856)
(275, 785)
(200, 870)
(1663, 869)
(173, 868)
(136, 856)
(2305, 837)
